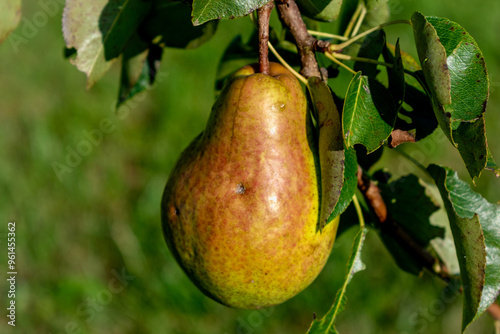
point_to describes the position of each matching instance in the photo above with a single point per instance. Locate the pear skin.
(240, 209)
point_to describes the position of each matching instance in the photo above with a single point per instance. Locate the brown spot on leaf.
(320, 106)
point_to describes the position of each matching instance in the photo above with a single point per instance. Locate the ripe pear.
(240, 209)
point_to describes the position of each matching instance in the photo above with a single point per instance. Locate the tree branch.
(264, 14)
(306, 43)
(372, 194)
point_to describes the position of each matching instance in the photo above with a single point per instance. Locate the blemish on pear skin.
(174, 212)
(240, 188)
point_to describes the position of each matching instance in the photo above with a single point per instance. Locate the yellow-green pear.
(240, 209)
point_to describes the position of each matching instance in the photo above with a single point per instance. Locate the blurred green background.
(75, 236)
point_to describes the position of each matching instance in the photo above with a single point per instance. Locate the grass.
(76, 235)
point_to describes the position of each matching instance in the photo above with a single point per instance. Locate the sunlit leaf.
(432, 55)
(321, 10)
(349, 185)
(206, 10)
(475, 224)
(492, 165)
(330, 145)
(327, 323)
(457, 80)
(99, 30)
(368, 114)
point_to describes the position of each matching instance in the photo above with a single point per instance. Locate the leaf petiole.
(361, 59)
(327, 35)
(353, 20)
(359, 212)
(336, 47)
(284, 63)
(338, 62)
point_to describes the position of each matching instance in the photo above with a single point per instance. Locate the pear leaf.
(206, 10)
(139, 69)
(409, 206)
(349, 185)
(372, 49)
(10, 14)
(458, 84)
(326, 324)
(396, 77)
(168, 25)
(432, 56)
(416, 114)
(491, 164)
(369, 113)
(475, 224)
(99, 30)
(321, 10)
(330, 144)
(377, 12)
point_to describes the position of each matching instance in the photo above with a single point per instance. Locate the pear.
(240, 209)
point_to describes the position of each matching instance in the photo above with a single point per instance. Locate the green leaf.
(369, 113)
(475, 224)
(206, 10)
(169, 25)
(455, 72)
(377, 12)
(396, 76)
(10, 14)
(410, 207)
(432, 56)
(330, 145)
(321, 10)
(139, 68)
(349, 185)
(99, 30)
(491, 164)
(416, 114)
(326, 324)
(372, 49)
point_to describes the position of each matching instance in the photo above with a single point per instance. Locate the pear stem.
(264, 13)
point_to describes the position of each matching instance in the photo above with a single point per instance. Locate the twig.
(290, 15)
(361, 59)
(372, 194)
(264, 14)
